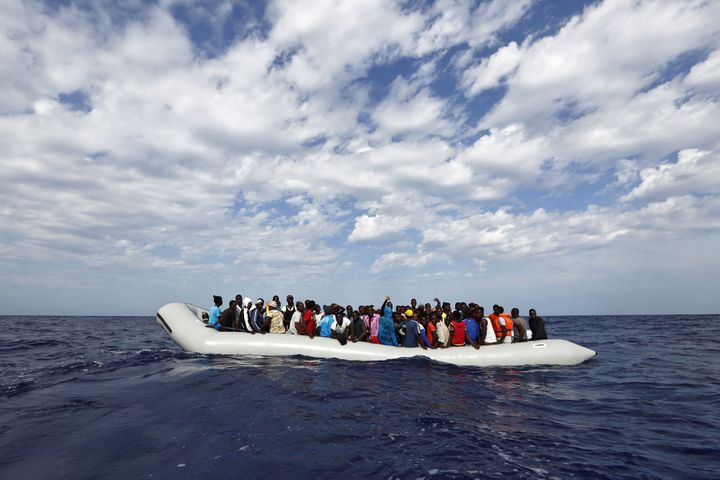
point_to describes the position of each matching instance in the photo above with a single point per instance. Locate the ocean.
(114, 397)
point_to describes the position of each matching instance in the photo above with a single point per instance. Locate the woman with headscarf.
(386, 326)
(246, 312)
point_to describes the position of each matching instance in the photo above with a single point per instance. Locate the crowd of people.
(414, 325)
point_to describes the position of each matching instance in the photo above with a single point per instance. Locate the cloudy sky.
(533, 153)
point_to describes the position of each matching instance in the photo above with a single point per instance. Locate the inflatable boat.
(184, 324)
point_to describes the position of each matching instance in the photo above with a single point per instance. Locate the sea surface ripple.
(114, 397)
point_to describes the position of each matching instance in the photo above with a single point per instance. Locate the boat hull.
(184, 325)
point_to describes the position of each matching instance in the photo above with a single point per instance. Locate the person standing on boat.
(537, 325)
(521, 332)
(214, 316)
(386, 326)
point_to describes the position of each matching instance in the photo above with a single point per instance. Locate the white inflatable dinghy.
(183, 322)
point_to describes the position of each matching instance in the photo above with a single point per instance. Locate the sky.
(557, 155)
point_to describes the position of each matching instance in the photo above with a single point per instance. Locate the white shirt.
(342, 327)
(296, 317)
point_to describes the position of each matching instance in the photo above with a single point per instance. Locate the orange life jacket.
(498, 328)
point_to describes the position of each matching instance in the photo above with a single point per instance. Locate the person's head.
(457, 316)
(361, 310)
(413, 303)
(247, 303)
(409, 313)
(349, 310)
(259, 303)
(481, 311)
(532, 313)
(238, 299)
(317, 308)
(290, 300)
(300, 306)
(434, 317)
(515, 312)
(309, 304)
(276, 299)
(371, 310)
(446, 307)
(427, 307)
(328, 310)
(496, 309)
(217, 300)
(272, 304)
(232, 304)
(501, 309)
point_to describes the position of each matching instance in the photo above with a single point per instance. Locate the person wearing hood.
(327, 321)
(274, 318)
(386, 326)
(256, 317)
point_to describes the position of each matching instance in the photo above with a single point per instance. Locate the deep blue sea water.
(114, 397)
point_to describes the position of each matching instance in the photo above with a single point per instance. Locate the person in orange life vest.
(499, 320)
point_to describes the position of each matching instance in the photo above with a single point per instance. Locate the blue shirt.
(326, 325)
(214, 317)
(411, 331)
(472, 329)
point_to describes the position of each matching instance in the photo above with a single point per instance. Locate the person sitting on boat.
(227, 317)
(326, 322)
(307, 325)
(412, 337)
(386, 326)
(457, 330)
(537, 326)
(237, 320)
(372, 322)
(443, 332)
(257, 317)
(296, 319)
(214, 316)
(502, 324)
(430, 330)
(358, 332)
(341, 327)
(423, 334)
(472, 330)
(487, 334)
(274, 318)
(521, 332)
(288, 311)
